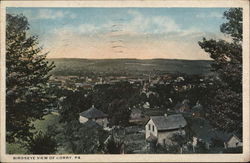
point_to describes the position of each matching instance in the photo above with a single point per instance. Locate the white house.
(162, 128)
(232, 142)
(95, 115)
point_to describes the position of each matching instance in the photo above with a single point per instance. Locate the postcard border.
(137, 157)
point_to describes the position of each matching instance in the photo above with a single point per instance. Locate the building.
(182, 107)
(204, 132)
(162, 128)
(232, 142)
(95, 115)
(136, 114)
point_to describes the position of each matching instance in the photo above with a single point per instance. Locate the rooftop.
(93, 113)
(169, 122)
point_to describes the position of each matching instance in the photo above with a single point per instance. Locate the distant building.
(233, 141)
(146, 105)
(180, 79)
(94, 115)
(162, 128)
(205, 133)
(182, 107)
(136, 114)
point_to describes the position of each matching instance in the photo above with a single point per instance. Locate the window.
(153, 128)
(149, 127)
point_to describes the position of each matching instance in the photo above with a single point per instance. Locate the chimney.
(165, 115)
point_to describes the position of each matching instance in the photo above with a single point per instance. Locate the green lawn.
(50, 119)
(40, 125)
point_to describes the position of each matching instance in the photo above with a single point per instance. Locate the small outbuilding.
(233, 141)
(95, 115)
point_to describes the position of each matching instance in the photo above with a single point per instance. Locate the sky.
(142, 33)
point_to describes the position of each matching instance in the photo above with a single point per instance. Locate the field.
(131, 67)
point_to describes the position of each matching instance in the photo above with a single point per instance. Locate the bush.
(42, 144)
(233, 150)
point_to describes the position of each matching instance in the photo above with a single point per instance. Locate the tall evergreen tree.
(27, 93)
(225, 100)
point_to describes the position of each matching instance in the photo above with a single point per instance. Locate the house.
(162, 128)
(233, 141)
(204, 132)
(136, 114)
(95, 115)
(182, 107)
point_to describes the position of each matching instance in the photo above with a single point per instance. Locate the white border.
(138, 157)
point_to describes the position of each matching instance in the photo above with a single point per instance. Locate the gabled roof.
(136, 110)
(233, 135)
(170, 122)
(93, 113)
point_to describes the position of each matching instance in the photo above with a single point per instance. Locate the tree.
(114, 147)
(85, 138)
(119, 113)
(74, 103)
(225, 96)
(201, 147)
(27, 93)
(42, 144)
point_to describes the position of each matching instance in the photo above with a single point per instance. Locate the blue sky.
(123, 32)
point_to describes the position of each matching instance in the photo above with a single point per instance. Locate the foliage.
(217, 142)
(233, 150)
(42, 144)
(119, 112)
(201, 147)
(16, 148)
(84, 138)
(74, 103)
(48, 120)
(224, 100)
(27, 93)
(113, 147)
(167, 149)
(180, 140)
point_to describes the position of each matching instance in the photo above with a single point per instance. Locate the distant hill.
(129, 66)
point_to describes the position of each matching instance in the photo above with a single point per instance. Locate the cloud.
(47, 14)
(138, 24)
(210, 15)
(143, 37)
(52, 14)
(152, 24)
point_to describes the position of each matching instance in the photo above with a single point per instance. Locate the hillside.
(128, 66)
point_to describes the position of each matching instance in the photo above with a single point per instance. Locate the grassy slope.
(50, 119)
(40, 125)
